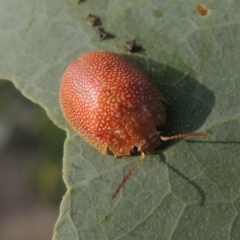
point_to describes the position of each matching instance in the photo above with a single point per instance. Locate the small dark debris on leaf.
(132, 46)
(93, 20)
(103, 35)
(202, 10)
(80, 1)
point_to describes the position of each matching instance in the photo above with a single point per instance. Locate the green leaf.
(190, 190)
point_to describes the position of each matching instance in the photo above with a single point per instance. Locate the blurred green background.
(31, 150)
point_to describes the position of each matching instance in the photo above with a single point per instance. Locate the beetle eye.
(159, 128)
(134, 150)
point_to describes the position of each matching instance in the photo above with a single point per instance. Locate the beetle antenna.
(185, 135)
(132, 170)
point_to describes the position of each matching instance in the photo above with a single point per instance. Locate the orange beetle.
(110, 101)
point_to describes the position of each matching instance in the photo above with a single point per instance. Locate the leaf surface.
(190, 189)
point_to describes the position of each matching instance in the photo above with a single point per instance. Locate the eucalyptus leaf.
(190, 188)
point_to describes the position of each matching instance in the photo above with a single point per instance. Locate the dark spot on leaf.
(132, 46)
(157, 13)
(93, 20)
(103, 35)
(108, 218)
(202, 10)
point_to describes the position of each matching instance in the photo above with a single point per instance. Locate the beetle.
(111, 102)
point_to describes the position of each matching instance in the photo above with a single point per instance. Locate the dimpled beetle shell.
(110, 101)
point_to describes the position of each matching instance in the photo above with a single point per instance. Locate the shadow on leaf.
(183, 176)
